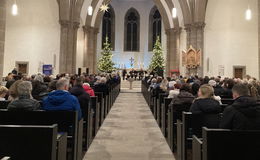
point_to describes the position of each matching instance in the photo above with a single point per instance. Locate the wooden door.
(238, 73)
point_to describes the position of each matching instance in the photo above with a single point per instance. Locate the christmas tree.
(157, 63)
(105, 63)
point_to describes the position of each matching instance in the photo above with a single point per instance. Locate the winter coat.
(89, 90)
(243, 114)
(83, 98)
(39, 91)
(24, 103)
(101, 87)
(205, 106)
(183, 97)
(62, 100)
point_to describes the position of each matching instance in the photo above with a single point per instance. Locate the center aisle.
(129, 132)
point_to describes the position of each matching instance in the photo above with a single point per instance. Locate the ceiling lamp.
(90, 10)
(248, 14)
(174, 12)
(14, 9)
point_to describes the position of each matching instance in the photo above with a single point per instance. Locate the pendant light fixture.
(174, 12)
(90, 10)
(14, 9)
(248, 14)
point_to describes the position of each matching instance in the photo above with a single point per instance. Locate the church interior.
(162, 79)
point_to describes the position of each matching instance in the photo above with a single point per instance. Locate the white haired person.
(25, 102)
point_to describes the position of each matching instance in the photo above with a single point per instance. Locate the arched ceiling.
(189, 11)
(164, 6)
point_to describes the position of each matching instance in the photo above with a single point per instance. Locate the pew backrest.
(221, 144)
(67, 121)
(28, 142)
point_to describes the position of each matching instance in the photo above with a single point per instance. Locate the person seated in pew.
(39, 91)
(88, 89)
(25, 102)
(3, 92)
(206, 102)
(61, 99)
(13, 90)
(244, 113)
(101, 86)
(184, 96)
(83, 97)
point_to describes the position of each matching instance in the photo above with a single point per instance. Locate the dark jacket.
(219, 91)
(206, 105)
(24, 103)
(82, 96)
(101, 87)
(183, 97)
(243, 114)
(62, 100)
(39, 91)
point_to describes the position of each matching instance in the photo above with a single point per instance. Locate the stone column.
(195, 37)
(63, 45)
(68, 46)
(90, 51)
(258, 38)
(2, 35)
(173, 49)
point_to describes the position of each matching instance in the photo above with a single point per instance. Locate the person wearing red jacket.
(88, 89)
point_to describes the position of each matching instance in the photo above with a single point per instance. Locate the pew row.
(222, 144)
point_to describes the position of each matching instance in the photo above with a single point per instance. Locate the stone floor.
(129, 132)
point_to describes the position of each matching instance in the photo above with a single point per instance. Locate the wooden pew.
(192, 125)
(96, 114)
(159, 107)
(67, 122)
(174, 113)
(87, 115)
(4, 104)
(28, 142)
(102, 106)
(227, 101)
(221, 144)
(164, 115)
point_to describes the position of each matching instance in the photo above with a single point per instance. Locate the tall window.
(132, 30)
(155, 27)
(108, 27)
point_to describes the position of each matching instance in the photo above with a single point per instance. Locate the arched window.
(155, 27)
(108, 27)
(132, 30)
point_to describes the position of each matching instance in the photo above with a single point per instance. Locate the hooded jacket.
(62, 100)
(24, 103)
(89, 90)
(243, 114)
(205, 106)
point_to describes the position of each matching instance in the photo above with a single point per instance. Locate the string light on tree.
(104, 8)
(14, 9)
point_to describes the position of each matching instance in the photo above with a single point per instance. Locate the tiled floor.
(129, 132)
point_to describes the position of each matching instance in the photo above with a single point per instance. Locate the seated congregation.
(61, 115)
(207, 118)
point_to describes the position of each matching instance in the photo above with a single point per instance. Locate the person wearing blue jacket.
(61, 99)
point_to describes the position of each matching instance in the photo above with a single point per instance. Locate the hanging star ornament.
(104, 8)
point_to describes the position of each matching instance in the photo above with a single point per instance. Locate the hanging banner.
(47, 69)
